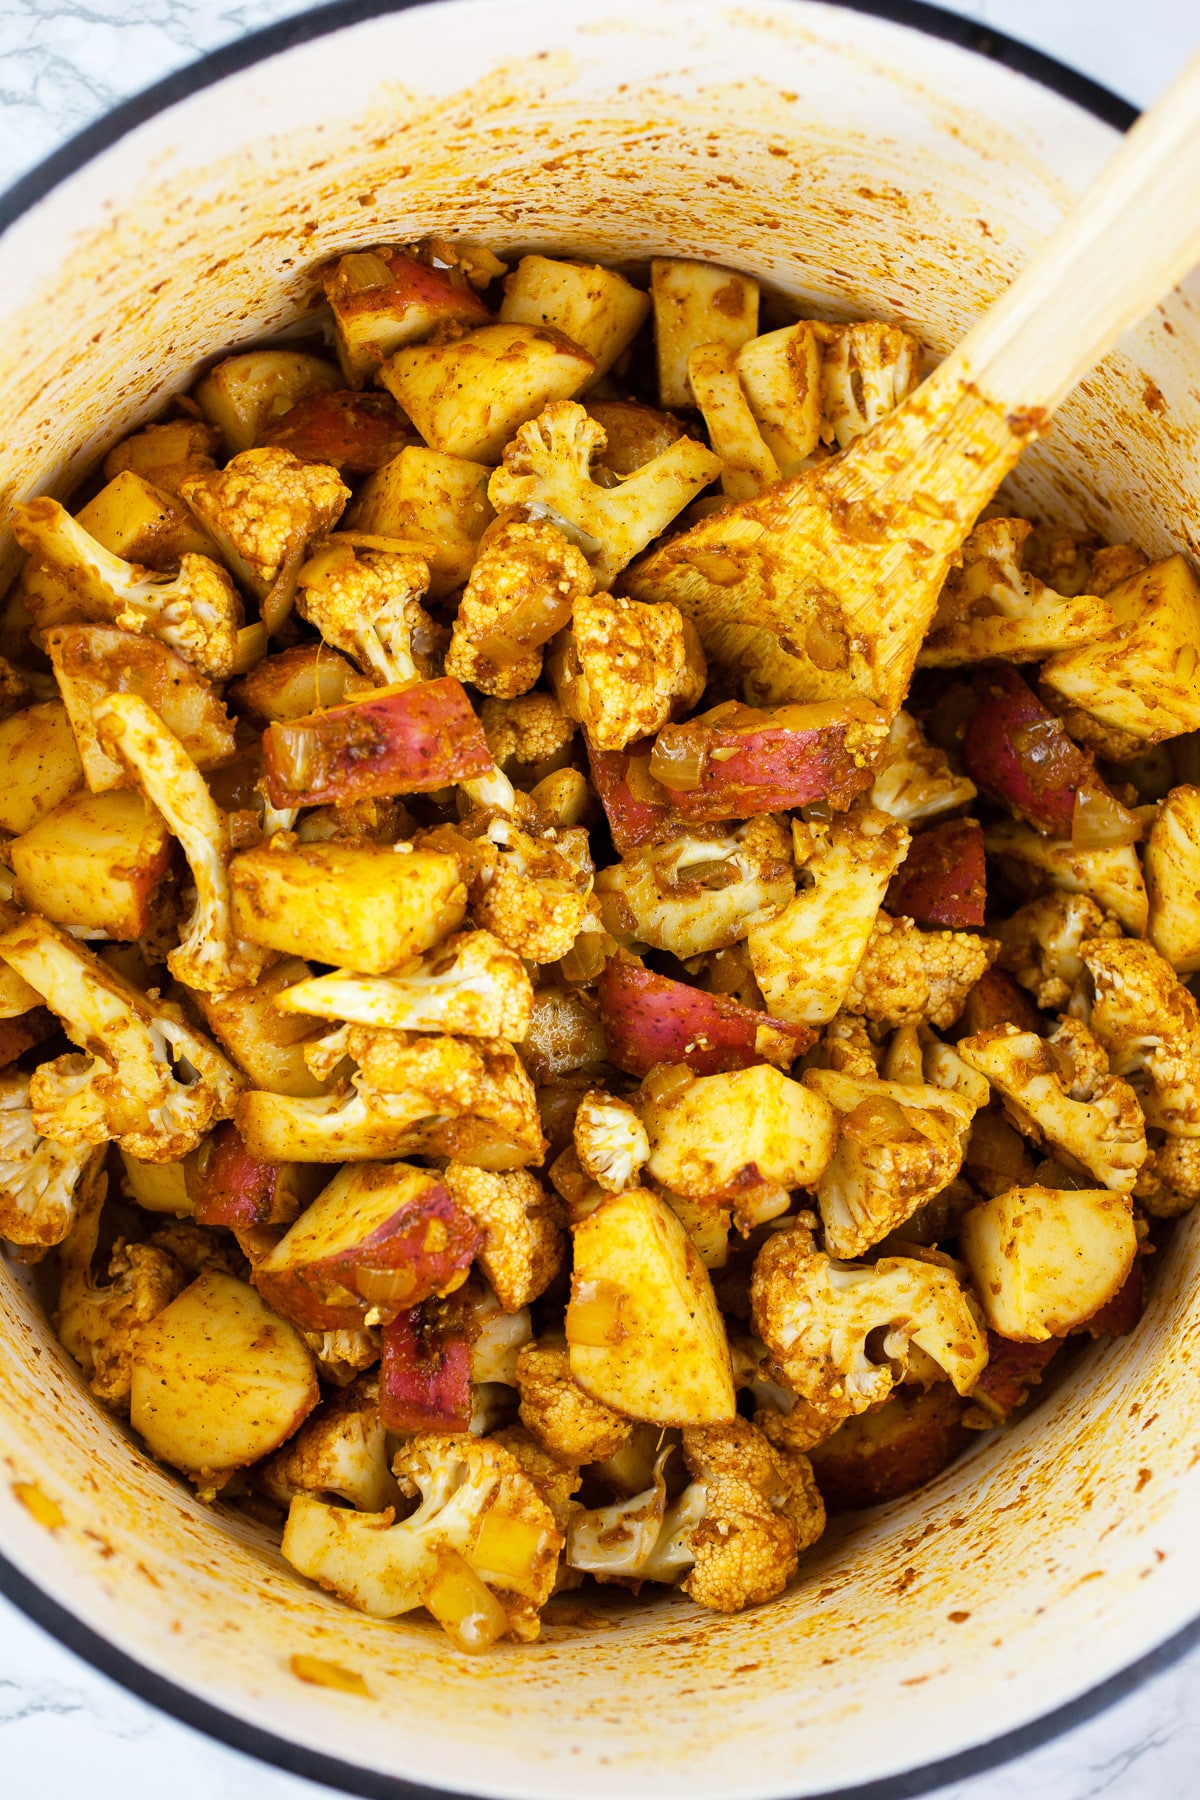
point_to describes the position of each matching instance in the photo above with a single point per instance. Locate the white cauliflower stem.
(197, 612)
(547, 469)
(471, 985)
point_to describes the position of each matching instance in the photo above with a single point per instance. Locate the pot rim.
(252, 1740)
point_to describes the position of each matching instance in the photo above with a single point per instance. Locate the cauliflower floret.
(1060, 1091)
(992, 607)
(529, 893)
(565, 1421)
(805, 958)
(815, 1316)
(440, 1096)
(1150, 1025)
(149, 1079)
(38, 1177)
(524, 582)
(909, 976)
(523, 1226)
(916, 782)
(846, 1047)
(476, 1500)
(748, 1137)
(899, 1144)
(1169, 1183)
(1112, 876)
(700, 892)
(1040, 944)
(368, 606)
(610, 1141)
(555, 1481)
(735, 1531)
(263, 510)
(197, 612)
(529, 729)
(547, 468)
(209, 956)
(625, 667)
(867, 369)
(342, 1450)
(339, 1355)
(470, 984)
(99, 1325)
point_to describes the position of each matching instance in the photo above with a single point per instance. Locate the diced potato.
(266, 1043)
(1043, 1261)
(707, 1226)
(358, 906)
(879, 1455)
(39, 764)
(643, 1327)
(1144, 678)
(243, 393)
(95, 861)
(732, 428)
(781, 375)
(445, 496)
(468, 398)
(592, 306)
(159, 1187)
(1171, 862)
(93, 661)
(381, 1236)
(303, 680)
(143, 524)
(721, 1137)
(165, 454)
(636, 435)
(218, 1380)
(806, 957)
(384, 298)
(696, 303)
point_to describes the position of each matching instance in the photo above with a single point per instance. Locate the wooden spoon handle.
(1130, 239)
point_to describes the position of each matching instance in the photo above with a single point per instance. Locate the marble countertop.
(63, 1727)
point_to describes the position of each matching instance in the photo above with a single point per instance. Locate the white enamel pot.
(869, 166)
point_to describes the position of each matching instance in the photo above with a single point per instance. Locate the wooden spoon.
(824, 585)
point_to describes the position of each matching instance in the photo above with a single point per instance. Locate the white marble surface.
(63, 1728)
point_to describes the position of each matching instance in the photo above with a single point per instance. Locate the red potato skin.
(879, 1456)
(630, 796)
(409, 740)
(1118, 1316)
(22, 1033)
(1012, 1371)
(431, 1239)
(649, 1019)
(424, 1375)
(429, 293)
(759, 760)
(943, 879)
(1018, 753)
(356, 433)
(235, 1189)
(996, 999)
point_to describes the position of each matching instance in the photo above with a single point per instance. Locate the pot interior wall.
(857, 167)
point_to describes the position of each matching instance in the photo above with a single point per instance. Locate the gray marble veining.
(64, 1729)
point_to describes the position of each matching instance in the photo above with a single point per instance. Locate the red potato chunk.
(996, 999)
(1018, 753)
(424, 1374)
(880, 1455)
(737, 761)
(354, 433)
(235, 1189)
(1118, 1316)
(638, 808)
(649, 1019)
(384, 298)
(943, 878)
(1013, 1370)
(409, 740)
(380, 1238)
